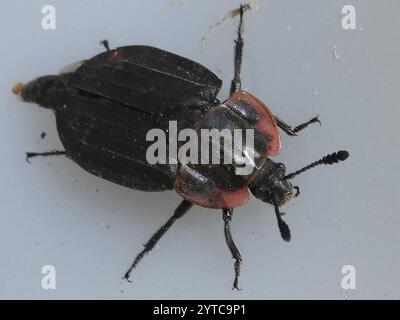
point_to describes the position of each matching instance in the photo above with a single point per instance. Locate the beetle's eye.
(280, 169)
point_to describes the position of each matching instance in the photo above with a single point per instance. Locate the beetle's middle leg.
(293, 131)
(236, 83)
(179, 212)
(227, 216)
(105, 44)
(30, 155)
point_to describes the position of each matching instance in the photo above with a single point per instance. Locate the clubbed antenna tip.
(329, 159)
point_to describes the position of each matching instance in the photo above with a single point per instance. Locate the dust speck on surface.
(43, 135)
(335, 53)
(106, 225)
(180, 3)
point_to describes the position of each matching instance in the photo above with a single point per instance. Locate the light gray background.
(50, 212)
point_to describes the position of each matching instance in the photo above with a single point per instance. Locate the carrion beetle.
(105, 106)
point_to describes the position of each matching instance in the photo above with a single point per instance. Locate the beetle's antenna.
(283, 227)
(227, 216)
(179, 212)
(329, 159)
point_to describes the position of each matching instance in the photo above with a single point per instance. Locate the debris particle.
(107, 226)
(231, 14)
(43, 135)
(180, 3)
(335, 53)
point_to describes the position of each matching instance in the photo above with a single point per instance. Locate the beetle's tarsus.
(227, 217)
(127, 278)
(179, 212)
(306, 124)
(293, 131)
(237, 272)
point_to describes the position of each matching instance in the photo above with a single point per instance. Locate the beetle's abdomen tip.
(17, 89)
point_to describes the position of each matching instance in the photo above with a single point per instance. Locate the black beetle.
(105, 107)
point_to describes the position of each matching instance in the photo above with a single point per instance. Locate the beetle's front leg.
(30, 155)
(293, 131)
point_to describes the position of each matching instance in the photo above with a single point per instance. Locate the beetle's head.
(271, 186)
(37, 90)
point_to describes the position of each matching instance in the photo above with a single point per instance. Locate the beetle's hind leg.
(293, 131)
(236, 83)
(30, 155)
(227, 216)
(179, 212)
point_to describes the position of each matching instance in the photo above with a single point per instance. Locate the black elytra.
(105, 107)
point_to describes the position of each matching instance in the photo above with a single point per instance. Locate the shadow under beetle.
(107, 104)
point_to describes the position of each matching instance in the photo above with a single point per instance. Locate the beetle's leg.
(293, 131)
(227, 216)
(105, 44)
(179, 212)
(283, 227)
(30, 155)
(239, 43)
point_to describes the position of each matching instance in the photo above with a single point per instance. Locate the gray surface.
(348, 214)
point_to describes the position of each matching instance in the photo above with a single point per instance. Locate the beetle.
(105, 106)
